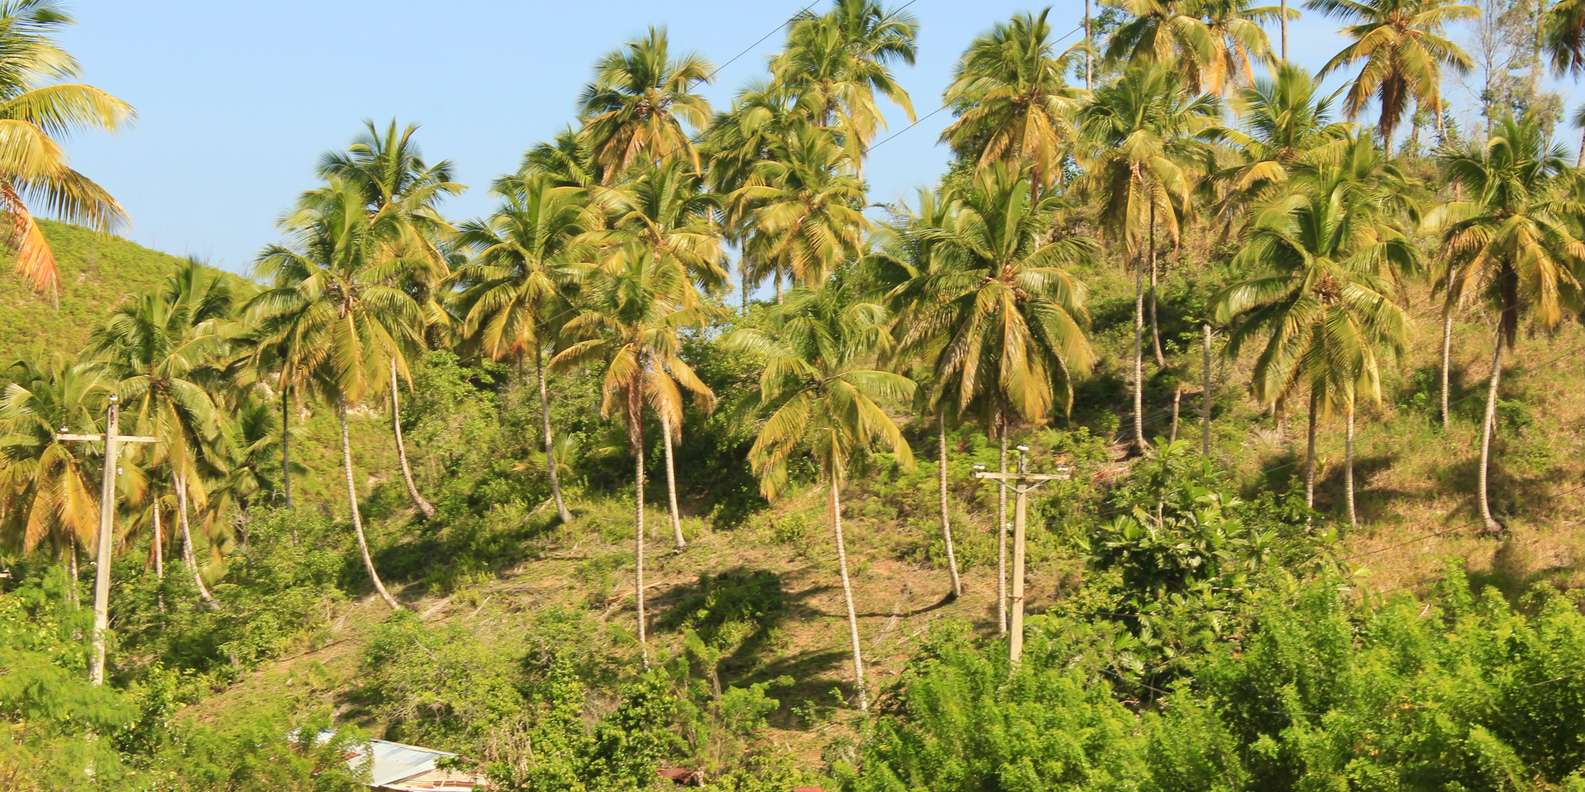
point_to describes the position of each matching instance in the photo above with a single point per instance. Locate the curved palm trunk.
(638, 531)
(550, 445)
(1205, 393)
(188, 557)
(1155, 327)
(946, 520)
(286, 451)
(1348, 465)
(1139, 360)
(1284, 31)
(847, 595)
(424, 506)
(671, 489)
(159, 541)
(1492, 526)
(1001, 525)
(777, 280)
(352, 505)
(1177, 401)
(1309, 453)
(1447, 357)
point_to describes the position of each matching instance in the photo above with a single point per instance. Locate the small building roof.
(399, 767)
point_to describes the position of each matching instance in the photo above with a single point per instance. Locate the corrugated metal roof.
(391, 763)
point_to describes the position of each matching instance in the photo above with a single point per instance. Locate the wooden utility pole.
(107, 511)
(1022, 483)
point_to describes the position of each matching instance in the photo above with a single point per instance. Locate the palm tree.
(37, 111)
(665, 212)
(397, 182)
(1403, 52)
(1213, 42)
(1319, 295)
(835, 63)
(566, 160)
(757, 128)
(805, 207)
(825, 399)
(514, 284)
(1147, 132)
(1563, 38)
(1007, 315)
(1012, 100)
(1512, 247)
(634, 309)
(47, 490)
(340, 321)
(641, 97)
(160, 351)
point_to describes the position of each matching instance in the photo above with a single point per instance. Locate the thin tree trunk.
(1447, 358)
(286, 453)
(1205, 393)
(1309, 452)
(1579, 161)
(1139, 359)
(550, 445)
(1348, 465)
(1177, 400)
(1284, 31)
(638, 531)
(671, 488)
(188, 556)
(1089, 44)
(847, 594)
(742, 267)
(777, 281)
(159, 541)
(1001, 525)
(424, 506)
(71, 572)
(1492, 526)
(946, 521)
(1155, 327)
(352, 505)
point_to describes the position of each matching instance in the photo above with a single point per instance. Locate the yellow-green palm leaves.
(1012, 101)
(805, 208)
(1011, 315)
(1212, 42)
(835, 63)
(1402, 51)
(47, 491)
(37, 110)
(638, 103)
(664, 209)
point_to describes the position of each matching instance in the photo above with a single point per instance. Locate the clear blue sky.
(236, 100)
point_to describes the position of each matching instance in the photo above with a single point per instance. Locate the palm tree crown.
(638, 103)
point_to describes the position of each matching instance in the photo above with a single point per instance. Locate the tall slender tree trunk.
(1447, 359)
(1089, 44)
(1348, 465)
(1177, 400)
(1579, 161)
(1001, 524)
(1139, 358)
(352, 506)
(1155, 327)
(637, 431)
(286, 447)
(1309, 451)
(946, 520)
(188, 556)
(671, 488)
(550, 444)
(159, 541)
(1205, 393)
(71, 573)
(777, 281)
(1284, 31)
(742, 269)
(424, 506)
(1486, 426)
(847, 592)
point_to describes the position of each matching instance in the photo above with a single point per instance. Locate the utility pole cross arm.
(95, 438)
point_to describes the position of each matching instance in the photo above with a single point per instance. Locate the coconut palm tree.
(1510, 246)
(39, 109)
(1148, 135)
(634, 308)
(637, 106)
(1213, 42)
(398, 183)
(835, 63)
(161, 351)
(1403, 51)
(514, 285)
(1563, 38)
(47, 485)
(1012, 100)
(340, 320)
(762, 119)
(805, 206)
(1318, 299)
(825, 398)
(664, 210)
(1008, 317)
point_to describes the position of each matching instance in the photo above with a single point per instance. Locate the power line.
(761, 40)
